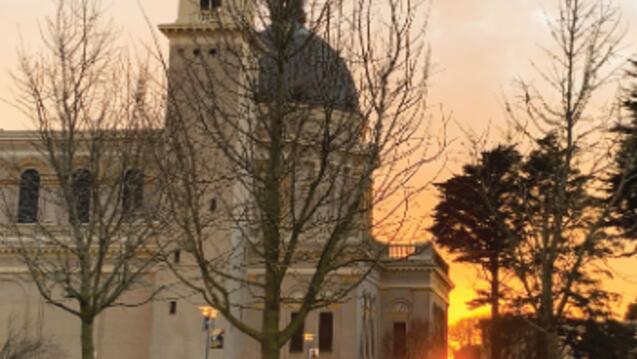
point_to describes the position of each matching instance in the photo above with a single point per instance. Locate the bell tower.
(205, 77)
(200, 21)
(191, 11)
(206, 54)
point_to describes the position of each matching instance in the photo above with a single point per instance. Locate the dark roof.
(315, 74)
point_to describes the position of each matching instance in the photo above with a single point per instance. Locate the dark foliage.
(474, 205)
(555, 215)
(623, 181)
(521, 337)
(631, 313)
(583, 339)
(475, 218)
(601, 340)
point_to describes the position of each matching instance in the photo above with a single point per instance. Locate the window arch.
(29, 196)
(132, 192)
(82, 183)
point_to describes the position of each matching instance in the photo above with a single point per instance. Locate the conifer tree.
(623, 181)
(469, 217)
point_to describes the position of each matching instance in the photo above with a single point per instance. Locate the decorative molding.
(401, 306)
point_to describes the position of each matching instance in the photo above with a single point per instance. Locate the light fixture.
(308, 337)
(208, 312)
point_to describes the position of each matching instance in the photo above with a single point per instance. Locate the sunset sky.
(479, 47)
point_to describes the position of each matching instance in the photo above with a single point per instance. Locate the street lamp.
(209, 315)
(308, 341)
(308, 337)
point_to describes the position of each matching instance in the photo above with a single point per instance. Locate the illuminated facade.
(374, 323)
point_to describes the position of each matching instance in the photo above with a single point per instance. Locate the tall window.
(82, 182)
(29, 196)
(132, 192)
(296, 342)
(208, 4)
(400, 340)
(326, 331)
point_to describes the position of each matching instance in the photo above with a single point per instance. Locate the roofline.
(13, 135)
(18, 134)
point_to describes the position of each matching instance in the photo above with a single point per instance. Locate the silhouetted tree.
(544, 194)
(465, 332)
(521, 337)
(468, 219)
(631, 312)
(565, 238)
(623, 181)
(600, 340)
(465, 338)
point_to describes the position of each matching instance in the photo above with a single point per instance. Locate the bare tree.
(564, 242)
(27, 342)
(465, 333)
(287, 124)
(79, 219)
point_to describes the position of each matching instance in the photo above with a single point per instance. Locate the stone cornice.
(196, 28)
(418, 266)
(186, 27)
(146, 251)
(19, 135)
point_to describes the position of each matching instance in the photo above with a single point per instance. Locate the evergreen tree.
(623, 181)
(474, 215)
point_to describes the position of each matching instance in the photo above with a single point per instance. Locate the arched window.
(132, 192)
(29, 196)
(82, 183)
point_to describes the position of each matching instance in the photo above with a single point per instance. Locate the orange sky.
(478, 46)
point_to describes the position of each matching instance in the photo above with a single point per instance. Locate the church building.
(404, 299)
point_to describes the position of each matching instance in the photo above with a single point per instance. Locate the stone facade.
(411, 285)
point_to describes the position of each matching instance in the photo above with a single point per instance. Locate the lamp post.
(209, 315)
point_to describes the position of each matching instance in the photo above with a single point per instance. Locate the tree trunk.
(88, 350)
(271, 317)
(495, 308)
(548, 341)
(269, 349)
(552, 345)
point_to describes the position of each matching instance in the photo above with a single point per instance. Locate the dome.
(315, 74)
